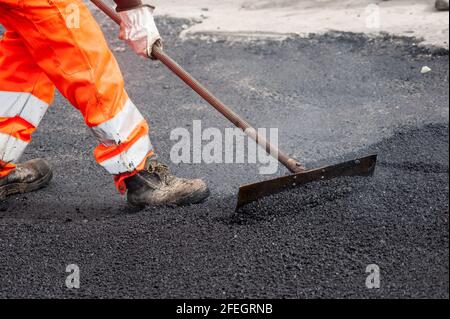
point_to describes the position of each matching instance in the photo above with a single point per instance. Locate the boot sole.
(197, 197)
(23, 188)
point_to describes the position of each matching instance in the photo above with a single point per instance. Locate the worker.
(44, 47)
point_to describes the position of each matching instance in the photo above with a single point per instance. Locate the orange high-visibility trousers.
(57, 43)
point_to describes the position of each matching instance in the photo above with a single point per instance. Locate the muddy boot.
(25, 178)
(157, 186)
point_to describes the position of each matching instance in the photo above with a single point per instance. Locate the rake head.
(359, 167)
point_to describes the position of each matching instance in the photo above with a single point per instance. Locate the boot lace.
(161, 170)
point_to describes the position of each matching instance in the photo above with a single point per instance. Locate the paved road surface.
(332, 98)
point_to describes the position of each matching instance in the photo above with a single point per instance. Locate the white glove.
(139, 30)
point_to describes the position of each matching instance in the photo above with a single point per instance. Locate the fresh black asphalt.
(332, 97)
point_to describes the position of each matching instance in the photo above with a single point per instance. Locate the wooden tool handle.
(293, 165)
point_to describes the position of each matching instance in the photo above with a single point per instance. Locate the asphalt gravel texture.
(332, 97)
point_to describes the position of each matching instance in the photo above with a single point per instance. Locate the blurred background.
(426, 19)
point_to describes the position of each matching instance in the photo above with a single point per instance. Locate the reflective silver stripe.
(129, 160)
(11, 148)
(25, 105)
(119, 128)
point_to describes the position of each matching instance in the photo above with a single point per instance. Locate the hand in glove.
(139, 30)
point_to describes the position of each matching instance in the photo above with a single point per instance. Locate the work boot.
(155, 185)
(25, 178)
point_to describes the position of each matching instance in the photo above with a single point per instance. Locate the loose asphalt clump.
(406, 152)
